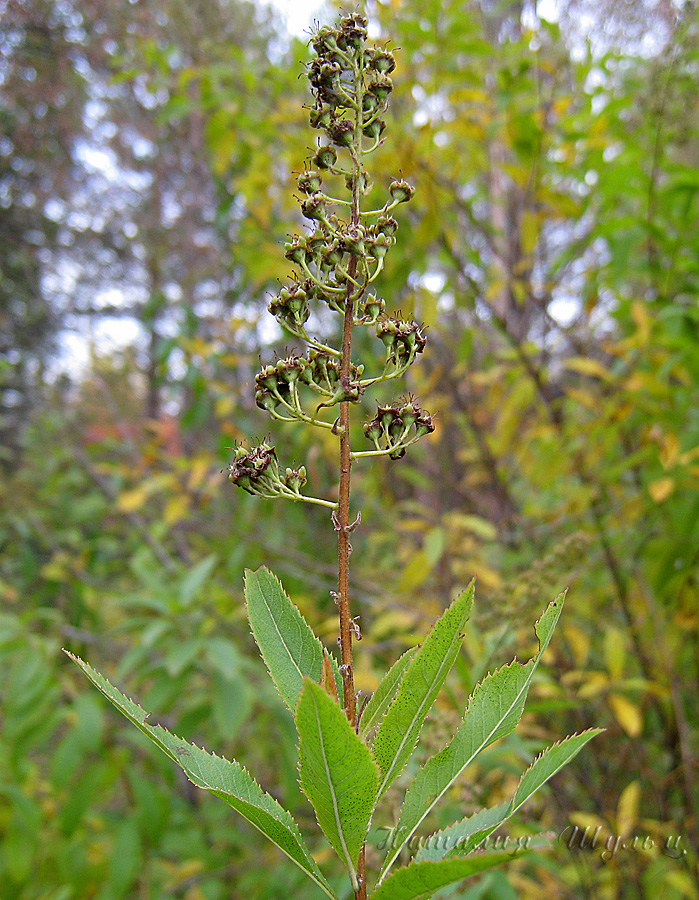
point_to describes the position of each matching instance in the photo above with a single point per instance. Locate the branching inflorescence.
(336, 263)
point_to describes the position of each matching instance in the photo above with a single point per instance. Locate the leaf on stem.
(338, 774)
(421, 880)
(493, 711)
(464, 836)
(225, 778)
(288, 645)
(400, 728)
(381, 698)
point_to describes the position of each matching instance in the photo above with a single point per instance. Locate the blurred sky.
(297, 13)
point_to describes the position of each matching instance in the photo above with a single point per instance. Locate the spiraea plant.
(349, 755)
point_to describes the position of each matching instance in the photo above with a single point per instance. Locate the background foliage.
(146, 178)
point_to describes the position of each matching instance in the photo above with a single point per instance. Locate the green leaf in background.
(400, 728)
(493, 711)
(338, 774)
(289, 647)
(464, 836)
(223, 778)
(420, 880)
(381, 698)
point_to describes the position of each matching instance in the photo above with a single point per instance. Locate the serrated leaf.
(464, 836)
(338, 774)
(400, 728)
(471, 831)
(288, 645)
(380, 700)
(226, 779)
(493, 711)
(420, 880)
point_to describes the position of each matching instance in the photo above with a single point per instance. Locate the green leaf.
(464, 836)
(195, 579)
(381, 698)
(493, 711)
(289, 647)
(226, 779)
(420, 880)
(338, 774)
(400, 728)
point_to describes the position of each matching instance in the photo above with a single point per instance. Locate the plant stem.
(343, 510)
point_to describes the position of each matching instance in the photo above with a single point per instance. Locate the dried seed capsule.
(381, 86)
(309, 182)
(296, 250)
(374, 129)
(321, 117)
(255, 470)
(401, 191)
(424, 424)
(373, 308)
(381, 244)
(324, 40)
(383, 61)
(386, 225)
(325, 157)
(370, 103)
(352, 32)
(313, 207)
(341, 132)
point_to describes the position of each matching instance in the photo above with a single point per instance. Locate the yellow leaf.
(590, 821)
(641, 317)
(579, 642)
(614, 651)
(134, 499)
(595, 683)
(529, 228)
(670, 450)
(199, 470)
(417, 570)
(661, 489)
(627, 714)
(627, 809)
(585, 366)
(486, 576)
(176, 509)
(584, 398)
(389, 623)
(224, 407)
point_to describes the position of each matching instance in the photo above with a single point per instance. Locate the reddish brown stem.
(343, 506)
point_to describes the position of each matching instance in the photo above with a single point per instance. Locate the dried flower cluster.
(337, 261)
